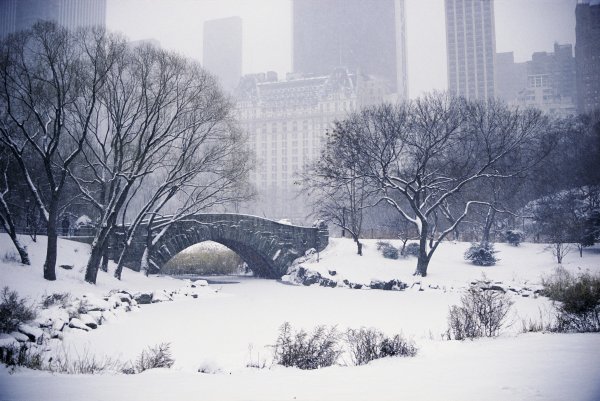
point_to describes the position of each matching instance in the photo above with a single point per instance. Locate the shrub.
(481, 254)
(22, 355)
(366, 345)
(514, 237)
(306, 351)
(62, 299)
(13, 311)
(155, 357)
(482, 313)
(387, 250)
(411, 249)
(84, 363)
(578, 300)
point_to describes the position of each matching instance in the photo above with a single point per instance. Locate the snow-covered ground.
(233, 324)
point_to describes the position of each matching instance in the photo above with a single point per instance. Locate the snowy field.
(231, 325)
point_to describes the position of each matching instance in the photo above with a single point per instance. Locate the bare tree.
(339, 193)
(6, 217)
(423, 155)
(162, 131)
(50, 79)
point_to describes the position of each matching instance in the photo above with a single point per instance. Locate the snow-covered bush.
(13, 311)
(155, 357)
(306, 351)
(411, 249)
(514, 237)
(481, 254)
(63, 299)
(578, 297)
(482, 313)
(387, 250)
(366, 345)
(22, 354)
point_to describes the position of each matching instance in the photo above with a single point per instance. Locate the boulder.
(75, 323)
(35, 334)
(93, 303)
(325, 282)
(20, 337)
(332, 272)
(160, 296)
(8, 341)
(143, 298)
(89, 321)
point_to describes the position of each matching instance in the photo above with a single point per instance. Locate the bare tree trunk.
(51, 248)
(104, 264)
(424, 257)
(359, 246)
(489, 221)
(9, 226)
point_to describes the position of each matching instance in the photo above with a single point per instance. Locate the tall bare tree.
(339, 192)
(50, 79)
(424, 154)
(162, 117)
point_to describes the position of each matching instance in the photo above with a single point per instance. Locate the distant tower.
(8, 16)
(471, 45)
(587, 56)
(17, 15)
(222, 50)
(368, 36)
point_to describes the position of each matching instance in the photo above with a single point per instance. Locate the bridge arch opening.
(232, 255)
(205, 258)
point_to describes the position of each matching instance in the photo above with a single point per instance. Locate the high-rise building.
(222, 50)
(471, 47)
(510, 77)
(17, 15)
(286, 122)
(8, 16)
(364, 36)
(587, 56)
(546, 82)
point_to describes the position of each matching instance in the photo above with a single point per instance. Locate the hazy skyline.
(522, 26)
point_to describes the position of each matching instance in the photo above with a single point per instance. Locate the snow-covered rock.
(88, 321)
(160, 296)
(35, 334)
(20, 337)
(143, 298)
(6, 341)
(95, 303)
(78, 324)
(97, 316)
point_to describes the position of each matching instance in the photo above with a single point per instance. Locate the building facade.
(222, 50)
(471, 48)
(546, 82)
(287, 122)
(587, 56)
(368, 36)
(16, 15)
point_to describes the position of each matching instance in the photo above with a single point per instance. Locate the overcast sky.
(522, 26)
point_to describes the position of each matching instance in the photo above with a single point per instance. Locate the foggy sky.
(522, 26)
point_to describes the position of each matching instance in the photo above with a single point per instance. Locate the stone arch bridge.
(268, 247)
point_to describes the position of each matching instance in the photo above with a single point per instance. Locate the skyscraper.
(587, 56)
(17, 15)
(368, 36)
(8, 16)
(222, 50)
(471, 46)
